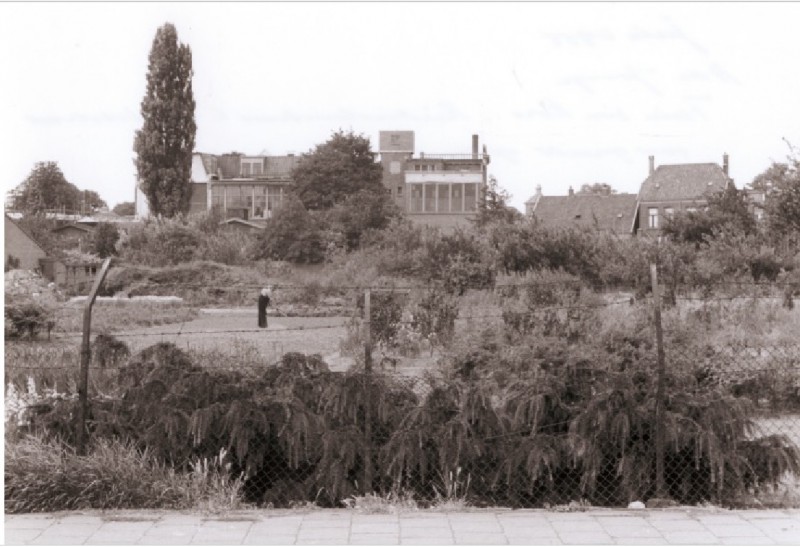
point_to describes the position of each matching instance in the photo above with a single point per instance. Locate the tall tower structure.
(396, 148)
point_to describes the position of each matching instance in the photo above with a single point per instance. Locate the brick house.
(239, 186)
(605, 213)
(672, 188)
(435, 189)
(21, 250)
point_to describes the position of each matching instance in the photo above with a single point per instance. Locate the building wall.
(662, 209)
(396, 148)
(21, 247)
(199, 200)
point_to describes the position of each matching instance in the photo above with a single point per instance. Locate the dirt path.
(235, 330)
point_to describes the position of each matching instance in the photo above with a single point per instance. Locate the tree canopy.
(336, 169)
(165, 143)
(727, 210)
(47, 189)
(126, 208)
(781, 184)
(493, 205)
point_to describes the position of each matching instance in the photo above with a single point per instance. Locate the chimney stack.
(474, 147)
(571, 191)
(652, 164)
(725, 163)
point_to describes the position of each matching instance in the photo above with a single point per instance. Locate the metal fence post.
(660, 386)
(86, 356)
(367, 394)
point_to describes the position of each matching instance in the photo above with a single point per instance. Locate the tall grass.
(45, 475)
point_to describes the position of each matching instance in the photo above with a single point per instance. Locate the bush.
(25, 319)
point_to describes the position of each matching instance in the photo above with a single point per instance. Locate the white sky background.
(561, 94)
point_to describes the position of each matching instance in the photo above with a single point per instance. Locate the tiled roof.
(612, 213)
(686, 181)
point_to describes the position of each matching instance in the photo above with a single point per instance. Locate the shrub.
(25, 319)
(104, 239)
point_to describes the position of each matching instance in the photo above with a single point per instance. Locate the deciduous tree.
(336, 169)
(165, 142)
(45, 189)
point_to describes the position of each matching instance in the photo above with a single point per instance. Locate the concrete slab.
(586, 538)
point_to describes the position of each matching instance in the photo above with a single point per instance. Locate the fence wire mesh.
(527, 395)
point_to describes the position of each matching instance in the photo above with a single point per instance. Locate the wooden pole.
(367, 394)
(86, 356)
(660, 386)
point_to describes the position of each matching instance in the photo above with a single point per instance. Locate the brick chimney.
(474, 147)
(725, 163)
(652, 164)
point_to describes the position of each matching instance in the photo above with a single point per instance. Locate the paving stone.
(19, 522)
(480, 539)
(514, 540)
(691, 538)
(171, 530)
(622, 520)
(165, 540)
(530, 531)
(594, 538)
(18, 535)
(418, 520)
(325, 523)
(748, 541)
(321, 541)
(639, 541)
(669, 526)
(322, 533)
(261, 539)
(57, 540)
(282, 529)
(577, 526)
(375, 528)
(373, 539)
(633, 531)
(427, 541)
(735, 530)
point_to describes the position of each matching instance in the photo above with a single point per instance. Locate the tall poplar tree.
(165, 142)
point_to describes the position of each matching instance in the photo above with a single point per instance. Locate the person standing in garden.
(263, 302)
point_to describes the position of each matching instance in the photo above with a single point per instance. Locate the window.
(399, 190)
(417, 167)
(416, 198)
(653, 215)
(691, 209)
(456, 203)
(394, 167)
(470, 197)
(443, 196)
(257, 169)
(430, 198)
(245, 169)
(669, 212)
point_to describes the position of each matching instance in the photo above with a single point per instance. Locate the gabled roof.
(241, 221)
(611, 213)
(683, 182)
(74, 226)
(25, 232)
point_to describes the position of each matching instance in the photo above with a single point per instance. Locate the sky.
(561, 94)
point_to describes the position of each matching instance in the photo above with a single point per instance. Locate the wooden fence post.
(367, 394)
(86, 356)
(660, 386)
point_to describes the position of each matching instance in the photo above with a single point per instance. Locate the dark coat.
(263, 302)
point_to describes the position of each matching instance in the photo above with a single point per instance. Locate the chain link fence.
(528, 395)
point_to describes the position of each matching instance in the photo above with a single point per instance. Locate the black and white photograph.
(401, 273)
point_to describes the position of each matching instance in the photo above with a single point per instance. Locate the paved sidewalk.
(678, 526)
